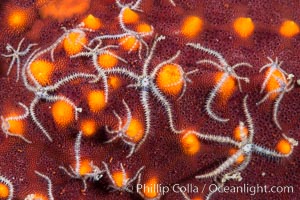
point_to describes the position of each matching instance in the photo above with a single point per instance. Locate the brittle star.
(228, 71)
(96, 173)
(94, 53)
(145, 84)
(121, 131)
(50, 195)
(246, 147)
(15, 55)
(43, 92)
(127, 32)
(285, 82)
(10, 186)
(126, 182)
(5, 126)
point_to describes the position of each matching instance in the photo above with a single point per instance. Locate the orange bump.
(73, 43)
(169, 79)
(243, 26)
(190, 144)
(289, 28)
(129, 43)
(96, 100)
(238, 131)
(227, 89)
(85, 167)
(88, 127)
(135, 130)
(197, 198)
(114, 82)
(118, 177)
(283, 146)
(62, 113)
(143, 28)
(18, 19)
(4, 191)
(150, 188)
(16, 127)
(92, 22)
(273, 84)
(240, 159)
(107, 61)
(129, 16)
(191, 27)
(42, 71)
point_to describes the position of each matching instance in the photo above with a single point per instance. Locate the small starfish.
(15, 55)
(126, 182)
(96, 173)
(285, 82)
(5, 123)
(228, 71)
(121, 131)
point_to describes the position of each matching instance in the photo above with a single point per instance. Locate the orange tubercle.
(191, 27)
(143, 28)
(73, 43)
(149, 188)
(135, 130)
(42, 71)
(289, 28)
(129, 16)
(240, 159)
(18, 19)
(63, 113)
(4, 191)
(283, 146)
(190, 144)
(92, 22)
(273, 84)
(169, 79)
(243, 26)
(107, 61)
(114, 82)
(129, 43)
(238, 131)
(16, 127)
(96, 100)
(118, 177)
(85, 167)
(227, 89)
(88, 127)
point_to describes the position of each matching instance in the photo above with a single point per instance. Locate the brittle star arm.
(50, 195)
(35, 119)
(166, 105)
(211, 98)
(5, 124)
(10, 186)
(210, 62)
(268, 95)
(248, 119)
(123, 72)
(228, 163)
(144, 98)
(211, 52)
(214, 138)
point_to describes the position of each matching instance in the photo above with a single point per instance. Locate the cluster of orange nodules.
(191, 26)
(88, 127)
(170, 79)
(240, 132)
(63, 113)
(16, 127)
(273, 84)
(190, 143)
(4, 191)
(227, 89)
(85, 167)
(18, 19)
(283, 146)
